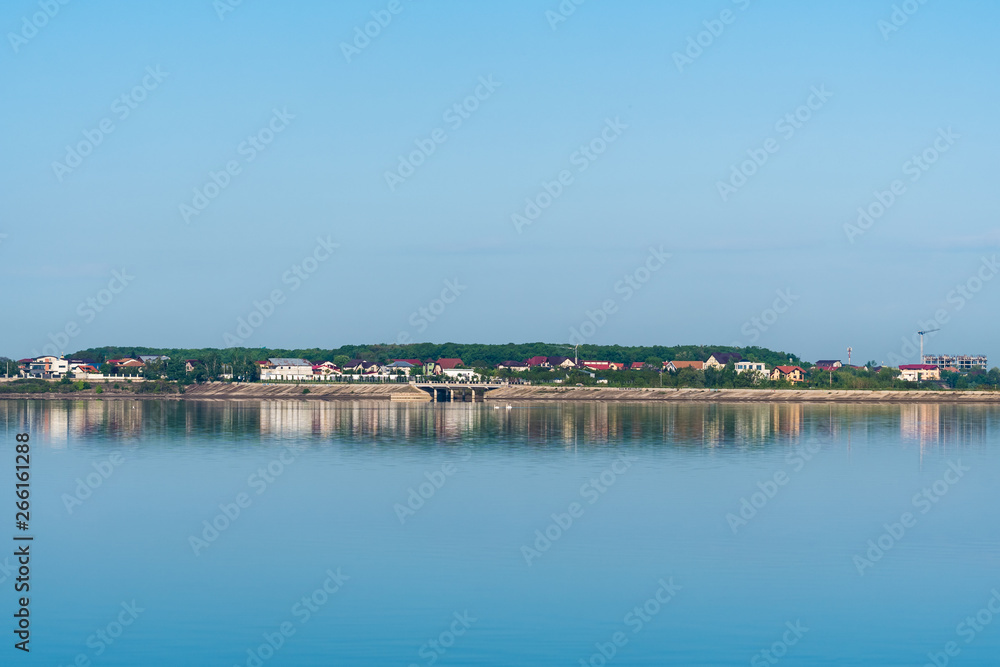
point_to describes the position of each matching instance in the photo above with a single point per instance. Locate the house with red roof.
(602, 365)
(442, 365)
(674, 366)
(324, 370)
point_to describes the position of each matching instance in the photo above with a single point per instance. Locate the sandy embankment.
(522, 393)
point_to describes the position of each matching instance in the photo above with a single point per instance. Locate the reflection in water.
(555, 424)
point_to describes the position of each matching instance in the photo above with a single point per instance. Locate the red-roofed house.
(538, 361)
(674, 366)
(603, 365)
(325, 369)
(442, 365)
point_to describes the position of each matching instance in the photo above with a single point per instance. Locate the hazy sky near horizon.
(120, 224)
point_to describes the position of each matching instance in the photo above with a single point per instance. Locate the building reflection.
(566, 425)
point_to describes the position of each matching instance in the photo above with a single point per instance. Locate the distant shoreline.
(532, 394)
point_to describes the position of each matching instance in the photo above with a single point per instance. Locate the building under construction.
(962, 362)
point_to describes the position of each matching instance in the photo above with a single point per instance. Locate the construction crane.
(922, 342)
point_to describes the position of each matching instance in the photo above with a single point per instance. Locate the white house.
(461, 374)
(919, 372)
(400, 366)
(48, 367)
(753, 366)
(286, 369)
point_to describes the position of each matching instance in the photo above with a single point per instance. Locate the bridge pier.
(443, 392)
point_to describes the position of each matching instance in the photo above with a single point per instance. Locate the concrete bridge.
(471, 392)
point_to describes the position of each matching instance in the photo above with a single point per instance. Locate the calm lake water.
(457, 534)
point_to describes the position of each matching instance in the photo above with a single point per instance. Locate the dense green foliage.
(491, 355)
(42, 386)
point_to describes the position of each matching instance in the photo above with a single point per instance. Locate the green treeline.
(474, 355)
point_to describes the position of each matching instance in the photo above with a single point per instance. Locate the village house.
(126, 366)
(442, 365)
(519, 366)
(324, 370)
(751, 366)
(596, 365)
(791, 374)
(674, 366)
(280, 368)
(919, 372)
(362, 367)
(153, 358)
(48, 367)
(400, 366)
(721, 359)
(561, 362)
(538, 361)
(83, 368)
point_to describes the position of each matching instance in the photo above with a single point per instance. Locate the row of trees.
(475, 355)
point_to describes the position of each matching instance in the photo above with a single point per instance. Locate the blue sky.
(554, 87)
